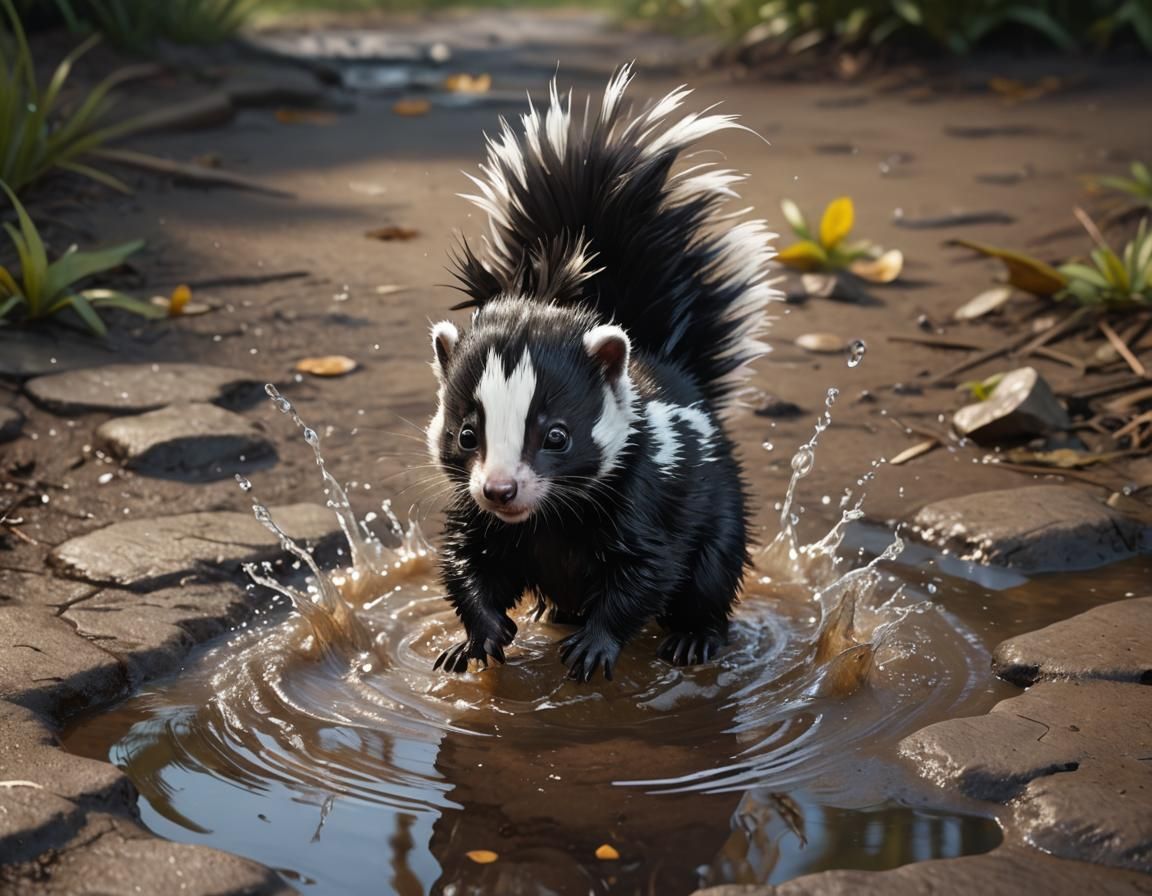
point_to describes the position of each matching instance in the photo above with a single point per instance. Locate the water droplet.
(767, 446)
(856, 352)
(802, 461)
(245, 485)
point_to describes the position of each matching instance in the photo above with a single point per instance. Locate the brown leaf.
(392, 232)
(1024, 272)
(286, 115)
(411, 108)
(326, 365)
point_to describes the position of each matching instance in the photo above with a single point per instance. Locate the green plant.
(1138, 186)
(1113, 280)
(137, 25)
(828, 249)
(39, 131)
(981, 390)
(45, 288)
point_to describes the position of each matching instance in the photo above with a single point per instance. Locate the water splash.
(856, 352)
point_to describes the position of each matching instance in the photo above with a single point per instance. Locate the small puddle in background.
(319, 741)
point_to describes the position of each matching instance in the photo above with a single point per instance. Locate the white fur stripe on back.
(506, 400)
(662, 419)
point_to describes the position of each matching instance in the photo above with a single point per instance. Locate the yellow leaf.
(607, 853)
(411, 108)
(466, 83)
(326, 365)
(837, 222)
(482, 856)
(178, 300)
(884, 269)
(1024, 272)
(802, 256)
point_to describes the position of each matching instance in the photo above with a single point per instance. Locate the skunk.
(616, 312)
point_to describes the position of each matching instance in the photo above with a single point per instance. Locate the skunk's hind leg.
(697, 614)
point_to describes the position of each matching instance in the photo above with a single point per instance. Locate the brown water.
(319, 741)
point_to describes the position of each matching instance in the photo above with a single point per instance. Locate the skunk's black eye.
(467, 439)
(557, 439)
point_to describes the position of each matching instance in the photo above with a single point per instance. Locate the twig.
(1123, 350)
(1066, 327)
(1129, 401)
(987, 355)
(937, 342)
(1053, 355)
(1132, 425)
(184, 171)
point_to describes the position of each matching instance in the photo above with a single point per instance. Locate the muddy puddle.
(318, 740)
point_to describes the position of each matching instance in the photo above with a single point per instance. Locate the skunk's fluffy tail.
(587, 210)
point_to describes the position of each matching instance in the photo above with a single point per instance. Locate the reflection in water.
(322, 743)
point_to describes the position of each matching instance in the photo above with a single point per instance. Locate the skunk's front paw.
(455, 659)
(588, 650)
(690, 648)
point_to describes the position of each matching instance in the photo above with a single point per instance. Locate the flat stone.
(1102, 813)
(1036, 528)
(1112, 642)
(35, 351)
(1053, 727)
(1005, 870)
(198, 441)
(47, 667)
(143, 554)
(1021, 406)
(11, 423)
(153, 632)
(135, 388)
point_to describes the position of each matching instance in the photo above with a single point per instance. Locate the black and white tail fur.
(617, 310)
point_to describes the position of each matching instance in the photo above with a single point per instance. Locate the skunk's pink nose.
(500, 491)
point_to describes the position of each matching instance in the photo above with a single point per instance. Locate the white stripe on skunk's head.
(535, 405)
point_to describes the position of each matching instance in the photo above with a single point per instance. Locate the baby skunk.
(616, 313)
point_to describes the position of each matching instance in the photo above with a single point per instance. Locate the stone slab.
(46, 666)
(1036, 528)
(143, 554)
(152, 632)
(1002, 872)
(1101, 813)
(1112, 642)
(197, 441)
(136, 388)
(11, 423)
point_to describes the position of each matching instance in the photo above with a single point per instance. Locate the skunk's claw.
(587, 651)
(690, 648)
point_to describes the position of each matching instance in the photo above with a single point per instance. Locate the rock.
(1040, 527)
(777, 408)
(1102, 814)
(27, 351)
(143, 554)
(1022, 406)
(1111, 642)
(840, 286)
(151, 633)
(135, 388)
(198, 441)
(47, 667)
(11, 423)
(273, 85)
(1003, 871)
(1070, 756)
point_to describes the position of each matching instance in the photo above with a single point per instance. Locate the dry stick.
(1132, 425)
(1118, 385)
(937, 342)
(1129, 401)
(1051, 354)
(185, 171)
(1123, 350)
(980, 358)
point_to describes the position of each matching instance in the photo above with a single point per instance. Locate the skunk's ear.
(610, 346)
(444, 339)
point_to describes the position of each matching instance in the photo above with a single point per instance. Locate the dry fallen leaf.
(607, 853)
(326, 365)
(988, 301)
(304, 116)
(884, 269)
(178, 300)
(411, 107)
(482, 856)
(390, 288)
(466, 83)
(821, 343)
(392, 232)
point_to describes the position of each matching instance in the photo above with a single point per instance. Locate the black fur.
(641, 542)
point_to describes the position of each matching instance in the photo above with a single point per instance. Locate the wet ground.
(372, 803)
